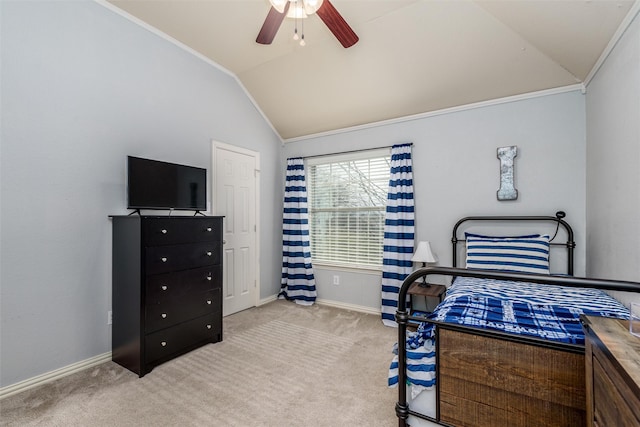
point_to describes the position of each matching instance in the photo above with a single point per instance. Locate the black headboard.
(570, 244)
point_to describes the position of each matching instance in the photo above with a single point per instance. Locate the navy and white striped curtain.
(398, 231)
(298, 282)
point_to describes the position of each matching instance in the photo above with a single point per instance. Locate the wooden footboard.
(486, 381)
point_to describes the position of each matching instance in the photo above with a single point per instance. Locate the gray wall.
(613, 164)
(82, 88)
(456, 173)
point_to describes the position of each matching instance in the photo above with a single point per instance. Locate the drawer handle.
(208, 326)
(164, 287)
(209, 253)
(209, 301)
(163, 231)
(209, 229)
(163, 343)
(164, 315)
(164, 259)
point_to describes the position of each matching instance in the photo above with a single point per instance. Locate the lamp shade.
(424, 253)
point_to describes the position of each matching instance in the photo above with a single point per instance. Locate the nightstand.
(612, 357)
(431, 294)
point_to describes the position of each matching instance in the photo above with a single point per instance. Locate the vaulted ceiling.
(413, 56)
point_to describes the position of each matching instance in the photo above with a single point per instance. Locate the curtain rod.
(354, 151)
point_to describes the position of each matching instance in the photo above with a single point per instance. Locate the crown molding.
(482, 104)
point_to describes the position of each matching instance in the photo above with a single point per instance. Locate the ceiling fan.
(301, 9)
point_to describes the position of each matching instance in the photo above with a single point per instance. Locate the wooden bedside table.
(429, 293)
(612, 357)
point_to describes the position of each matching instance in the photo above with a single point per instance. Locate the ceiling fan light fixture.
(297, 10)
(312, 6)
(301, 9)
(278, 5)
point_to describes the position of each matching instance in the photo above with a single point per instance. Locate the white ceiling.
(413, 57)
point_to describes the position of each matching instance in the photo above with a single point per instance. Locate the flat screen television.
(152, 184)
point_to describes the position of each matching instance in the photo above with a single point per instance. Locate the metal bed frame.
(402, 315)
(570, 244)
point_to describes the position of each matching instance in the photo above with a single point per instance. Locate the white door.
(235, 176)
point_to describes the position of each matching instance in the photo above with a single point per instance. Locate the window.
(347, 201)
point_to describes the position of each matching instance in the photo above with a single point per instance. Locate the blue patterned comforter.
(543, 311)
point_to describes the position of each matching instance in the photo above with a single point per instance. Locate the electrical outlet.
(336, 280)
(109, 317)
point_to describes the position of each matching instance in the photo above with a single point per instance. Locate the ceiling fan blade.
(336, 23)
(271, 24)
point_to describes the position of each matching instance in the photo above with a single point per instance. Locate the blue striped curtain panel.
(398, 231)
(298, 282)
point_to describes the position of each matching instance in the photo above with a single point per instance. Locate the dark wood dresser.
(612, 358)
(167, 288)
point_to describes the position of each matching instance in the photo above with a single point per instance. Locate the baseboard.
(347, 306)
(267, 300)
(53, 375)
(331, 303)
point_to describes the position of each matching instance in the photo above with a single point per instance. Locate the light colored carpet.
(279, 365)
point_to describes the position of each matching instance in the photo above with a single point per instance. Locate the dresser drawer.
(176, 230)
(163, 314)
(183, 337)
(169, 286)
(163, 259)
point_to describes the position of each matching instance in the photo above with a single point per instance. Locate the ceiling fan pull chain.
(295, 20)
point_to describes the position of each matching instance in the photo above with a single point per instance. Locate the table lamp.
(425, 255)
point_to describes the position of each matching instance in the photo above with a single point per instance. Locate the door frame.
(215, 145)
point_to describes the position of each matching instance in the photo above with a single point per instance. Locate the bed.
(505, 347)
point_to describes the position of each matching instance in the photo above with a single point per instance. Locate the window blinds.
(347, 200)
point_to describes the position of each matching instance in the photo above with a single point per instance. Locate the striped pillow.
(523, 254)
